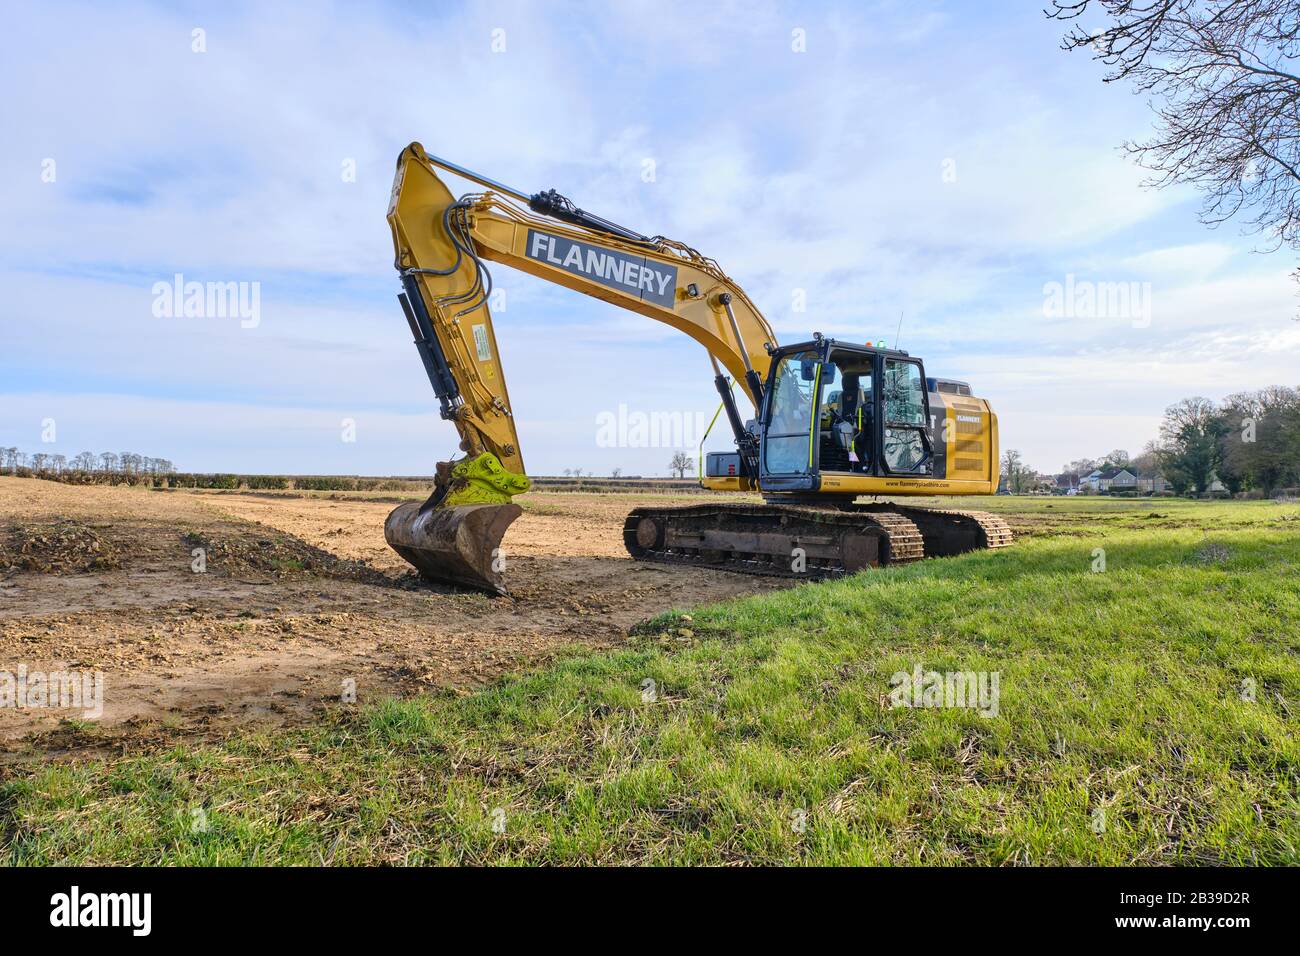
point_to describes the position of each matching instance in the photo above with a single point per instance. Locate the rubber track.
(898, 525)
(996, 532)
(902, 539)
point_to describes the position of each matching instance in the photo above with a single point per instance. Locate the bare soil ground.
(296, 596)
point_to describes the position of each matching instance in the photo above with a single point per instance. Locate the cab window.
(785, 447)
(906, 444)
(846, 414)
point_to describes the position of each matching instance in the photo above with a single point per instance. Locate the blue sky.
(945, 161)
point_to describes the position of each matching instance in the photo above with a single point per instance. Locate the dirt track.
(297, 596)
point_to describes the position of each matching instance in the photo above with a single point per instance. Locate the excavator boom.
(441, 243)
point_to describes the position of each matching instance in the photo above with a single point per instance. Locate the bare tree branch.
(1226, 78)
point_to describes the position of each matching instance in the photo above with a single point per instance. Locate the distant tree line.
(287, 482)
(1019, 476)
(16, 462)
(1144, 464)
(115, 468)
(1250, 442)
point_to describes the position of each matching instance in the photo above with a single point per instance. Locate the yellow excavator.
(833, 420)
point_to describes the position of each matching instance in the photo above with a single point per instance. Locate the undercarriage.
(793, 540)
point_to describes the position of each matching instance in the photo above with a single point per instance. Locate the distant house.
(1111, 480)
(1067, 483)
(1149, 484)
(1043, 484)
(1101, 481)
(1119, 479)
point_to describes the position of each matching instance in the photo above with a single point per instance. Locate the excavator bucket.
(459, 545)
(455, 536)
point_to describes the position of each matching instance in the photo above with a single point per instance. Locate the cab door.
(905, 443)
(787, 449)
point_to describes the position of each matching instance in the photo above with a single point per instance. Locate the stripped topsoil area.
(209, 612)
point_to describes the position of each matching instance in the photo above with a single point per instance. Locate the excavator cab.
(832, 408)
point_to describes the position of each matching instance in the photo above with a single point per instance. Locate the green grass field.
(1147, 713)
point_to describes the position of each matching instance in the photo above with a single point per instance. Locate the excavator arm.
(441, 245)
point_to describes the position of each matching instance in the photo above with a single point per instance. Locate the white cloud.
(1192, 261)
